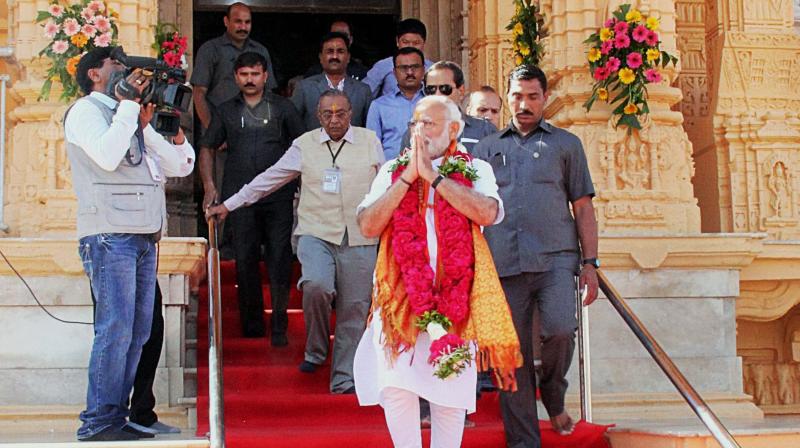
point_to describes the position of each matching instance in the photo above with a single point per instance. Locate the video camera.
(166, 90)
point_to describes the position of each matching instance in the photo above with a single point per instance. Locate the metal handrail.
(216, 411)
(695, 401)
(584, 361)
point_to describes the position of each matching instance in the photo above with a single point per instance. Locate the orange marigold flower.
(79, 40)
(72, 64)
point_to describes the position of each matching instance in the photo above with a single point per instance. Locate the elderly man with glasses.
(436, 292)
(337, 163)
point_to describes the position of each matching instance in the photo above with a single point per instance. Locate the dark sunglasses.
(446, 89)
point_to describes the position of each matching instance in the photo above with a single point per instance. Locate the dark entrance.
(292, 37)
(290, 29)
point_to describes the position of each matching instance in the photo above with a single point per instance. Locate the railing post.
(216, 410)
(584, 358)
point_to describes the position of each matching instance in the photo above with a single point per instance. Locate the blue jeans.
(122, 271)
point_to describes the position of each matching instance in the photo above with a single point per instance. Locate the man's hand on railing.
(221, 212)
(588, 280)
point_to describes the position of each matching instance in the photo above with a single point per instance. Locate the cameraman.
(119, 163)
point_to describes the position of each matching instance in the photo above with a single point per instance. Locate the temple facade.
(699, 211)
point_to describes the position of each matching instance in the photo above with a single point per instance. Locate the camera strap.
(132, 158)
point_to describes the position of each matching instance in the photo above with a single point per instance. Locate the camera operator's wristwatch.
(592, 261)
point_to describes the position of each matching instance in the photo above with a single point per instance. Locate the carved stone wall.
(754, 56)
(643, 178)
(39, 197)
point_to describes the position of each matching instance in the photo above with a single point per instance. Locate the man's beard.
(438, 145)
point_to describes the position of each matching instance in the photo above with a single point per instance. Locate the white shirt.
(339, 86)
(411, 371)
(107, 144)
(486, 184)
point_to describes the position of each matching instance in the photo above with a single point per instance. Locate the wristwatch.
(592, 261)
(436, 181)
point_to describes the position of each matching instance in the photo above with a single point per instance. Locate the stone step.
(67, 440)
(769, 432)
(45, 420)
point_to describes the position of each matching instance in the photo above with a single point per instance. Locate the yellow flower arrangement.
(602, 94)
(594, 54)
(653, 23)
(653, 55)
(605, 34)
(526, 28)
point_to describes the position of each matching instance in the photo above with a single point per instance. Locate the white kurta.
(411, 371)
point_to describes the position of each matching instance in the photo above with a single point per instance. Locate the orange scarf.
(489, 321)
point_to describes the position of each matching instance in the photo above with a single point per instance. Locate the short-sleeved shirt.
(257, 138)
(213, 67)
(539, 175)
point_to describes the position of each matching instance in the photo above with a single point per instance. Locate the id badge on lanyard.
(332, 177)
(332, 180)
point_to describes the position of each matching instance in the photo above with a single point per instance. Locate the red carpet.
(269, 403)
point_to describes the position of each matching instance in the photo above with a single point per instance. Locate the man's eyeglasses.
(446, 89)
(328, 115)
(427, 124)
(405, 68)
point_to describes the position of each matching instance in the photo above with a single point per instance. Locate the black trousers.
(553, 293)
(270, 225)
(143, 401)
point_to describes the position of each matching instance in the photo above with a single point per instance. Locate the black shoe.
(110, 434)
(137, 433)
(308, 367)
(349, 390)
(279, 340)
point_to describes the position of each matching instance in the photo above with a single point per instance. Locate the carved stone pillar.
(490, 57)
(39, 196)
(643, 178)
(754, 57)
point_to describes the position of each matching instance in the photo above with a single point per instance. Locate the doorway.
(293, 38)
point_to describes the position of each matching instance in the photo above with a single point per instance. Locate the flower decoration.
(527, 30)
(72, 31)
(624, 57)
(439, 303)
(170, 45)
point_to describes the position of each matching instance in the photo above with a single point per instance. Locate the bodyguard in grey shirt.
(212, 75)
(541, 170)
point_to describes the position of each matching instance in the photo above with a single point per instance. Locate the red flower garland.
(454, 238)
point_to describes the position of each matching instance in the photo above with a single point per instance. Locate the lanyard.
(334, 156)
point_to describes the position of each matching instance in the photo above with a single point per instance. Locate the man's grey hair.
(453, 112)
(332, 93)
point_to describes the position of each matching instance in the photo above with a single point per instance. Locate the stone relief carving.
(773, 384)
(779, 184)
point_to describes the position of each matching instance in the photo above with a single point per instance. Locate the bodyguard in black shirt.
(258, 127)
